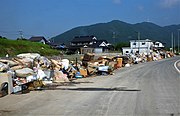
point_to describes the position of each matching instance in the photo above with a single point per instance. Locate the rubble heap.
(30, 71)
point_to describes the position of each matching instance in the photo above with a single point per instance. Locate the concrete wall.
(98, 50)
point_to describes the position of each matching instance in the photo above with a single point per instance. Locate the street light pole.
(178, 40)
(174, 45)
(138, 41)
(172, 41)
(114, 37)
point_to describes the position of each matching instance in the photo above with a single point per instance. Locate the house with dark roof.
(39, 39)
(83, 40)
(84, 44)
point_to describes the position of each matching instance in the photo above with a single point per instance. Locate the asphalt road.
(148, 89)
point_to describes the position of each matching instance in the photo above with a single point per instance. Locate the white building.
(139, 46)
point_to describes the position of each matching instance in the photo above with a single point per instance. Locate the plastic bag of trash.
(31, 78)
(40, 74)
(65, 63)
(24, 72)
(127, 65)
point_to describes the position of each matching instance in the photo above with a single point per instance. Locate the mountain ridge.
(119, 31)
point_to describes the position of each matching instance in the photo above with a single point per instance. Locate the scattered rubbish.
(83, 72)
(59, 76)
(24, 72)
(3, 89)
(31, 71)
(78, 75)
(3, 67)
(127, 65)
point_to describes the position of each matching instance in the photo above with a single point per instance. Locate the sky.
(50, 18)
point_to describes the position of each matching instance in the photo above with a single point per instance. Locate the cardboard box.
(83, 72)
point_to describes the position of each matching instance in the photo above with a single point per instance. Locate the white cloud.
(169, 3)
(117, 1)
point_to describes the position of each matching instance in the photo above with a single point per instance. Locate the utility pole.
(114, 37)
(172, 42)
(21, 34)
(174, 45)
(178, 40)
(139, 34)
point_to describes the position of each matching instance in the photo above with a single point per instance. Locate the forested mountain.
(118, 31)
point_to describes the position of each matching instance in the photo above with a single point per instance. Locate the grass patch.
(14, 47)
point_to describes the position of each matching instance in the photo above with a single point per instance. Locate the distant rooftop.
(83, 38)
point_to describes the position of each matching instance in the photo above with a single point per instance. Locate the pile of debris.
(31, 71)
(153, 56)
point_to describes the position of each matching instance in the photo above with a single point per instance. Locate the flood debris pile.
(31, 71)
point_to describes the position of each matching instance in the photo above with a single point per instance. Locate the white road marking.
(175, 65)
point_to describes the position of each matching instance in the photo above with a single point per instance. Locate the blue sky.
(52, 17)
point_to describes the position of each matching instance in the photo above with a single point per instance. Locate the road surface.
(148, 89)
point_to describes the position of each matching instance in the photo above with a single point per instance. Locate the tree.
(21, 39)
(119, 45)
(2, 37)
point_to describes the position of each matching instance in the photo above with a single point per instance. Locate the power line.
(172, 42)
(20, 33)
